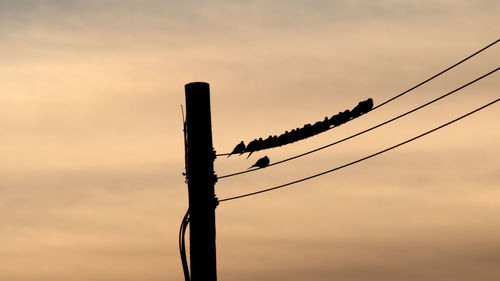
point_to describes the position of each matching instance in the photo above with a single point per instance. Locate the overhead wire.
(423, 82)
(435, 76)
(361, 159)
(369, 129)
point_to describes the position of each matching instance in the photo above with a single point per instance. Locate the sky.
(91, 184)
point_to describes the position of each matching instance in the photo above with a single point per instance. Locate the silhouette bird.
(239, 148)
(357, 110)
(261, 163)
(253, 146)
(367, 105)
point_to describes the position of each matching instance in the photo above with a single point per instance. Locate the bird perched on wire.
(239, 148)
(251, 147)
(261, 163)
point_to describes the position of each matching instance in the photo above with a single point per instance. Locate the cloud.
(223, 16)
(92, 149)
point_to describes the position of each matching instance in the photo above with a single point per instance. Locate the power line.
(435, 76)
(369, 129)
(423, 82)
(362, 159)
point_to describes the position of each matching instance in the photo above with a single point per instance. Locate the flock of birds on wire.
(300, 133)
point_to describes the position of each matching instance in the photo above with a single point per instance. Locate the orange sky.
(92, 149)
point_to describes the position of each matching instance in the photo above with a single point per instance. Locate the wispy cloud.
(92, 149)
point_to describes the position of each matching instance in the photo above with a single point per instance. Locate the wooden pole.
(201, 180)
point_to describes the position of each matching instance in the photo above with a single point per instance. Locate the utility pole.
(201, 179)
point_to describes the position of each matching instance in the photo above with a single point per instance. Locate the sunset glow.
(91, 184)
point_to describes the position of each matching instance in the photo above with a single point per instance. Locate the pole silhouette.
(201, 179)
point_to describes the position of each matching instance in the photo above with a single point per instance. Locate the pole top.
(197, 85)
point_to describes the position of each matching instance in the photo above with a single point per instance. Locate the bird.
(367, 105)
(251, 147)
(258, 145)
(239, 148)
(261, 163)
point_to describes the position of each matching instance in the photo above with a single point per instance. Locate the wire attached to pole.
(369, 129)
(184, 130)
(362, 159)
(182, 245)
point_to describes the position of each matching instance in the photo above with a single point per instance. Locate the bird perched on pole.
(239, 148)
(261, 163)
